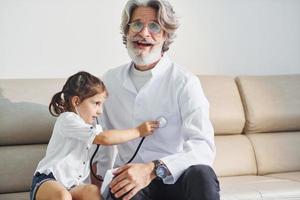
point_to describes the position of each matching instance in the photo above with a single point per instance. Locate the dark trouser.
(198, 182)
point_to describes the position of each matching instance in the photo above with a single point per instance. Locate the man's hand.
(131, 178)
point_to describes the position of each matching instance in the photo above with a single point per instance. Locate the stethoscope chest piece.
(162, 122)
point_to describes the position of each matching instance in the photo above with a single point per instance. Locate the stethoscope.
(162, 121)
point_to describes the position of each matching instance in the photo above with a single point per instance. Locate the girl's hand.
(147, 128)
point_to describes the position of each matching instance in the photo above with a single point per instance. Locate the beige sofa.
(256, 121)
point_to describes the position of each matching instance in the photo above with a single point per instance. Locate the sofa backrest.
(272, 108)
(235, 154)
(25, 129)
(272, 103)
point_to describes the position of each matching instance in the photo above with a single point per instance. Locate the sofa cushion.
(235, 156)
(18, 164)
(25, 118)
(276, 152)
(226, 109)
(258, 187)
(15, 196)
(295, 176)
(271, 102)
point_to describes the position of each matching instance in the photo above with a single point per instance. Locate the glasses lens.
(154, 27)
(136, 26)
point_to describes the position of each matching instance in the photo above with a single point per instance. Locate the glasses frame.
(144, 25)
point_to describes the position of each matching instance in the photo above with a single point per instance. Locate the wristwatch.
(160, 169)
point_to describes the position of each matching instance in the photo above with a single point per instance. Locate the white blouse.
(69, 150)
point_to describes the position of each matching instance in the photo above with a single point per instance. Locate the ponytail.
(57, 105)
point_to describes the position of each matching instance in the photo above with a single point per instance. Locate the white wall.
(55, 38)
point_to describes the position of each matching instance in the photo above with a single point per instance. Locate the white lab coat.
(173, 93)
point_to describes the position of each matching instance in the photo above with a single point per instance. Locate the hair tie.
(62, 95)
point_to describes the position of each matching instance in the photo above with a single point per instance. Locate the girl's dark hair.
(81, 84)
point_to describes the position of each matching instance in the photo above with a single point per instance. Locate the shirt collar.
(139, 73)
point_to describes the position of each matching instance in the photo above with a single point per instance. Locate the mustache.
(142, 40)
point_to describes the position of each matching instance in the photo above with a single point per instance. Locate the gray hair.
(165, 14)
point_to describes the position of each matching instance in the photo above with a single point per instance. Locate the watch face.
(161, 172)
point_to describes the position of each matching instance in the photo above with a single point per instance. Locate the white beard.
(139, 59)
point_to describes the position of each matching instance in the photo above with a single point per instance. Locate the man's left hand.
(131, 178)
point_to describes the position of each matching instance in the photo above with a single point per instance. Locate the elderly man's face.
(145, 46)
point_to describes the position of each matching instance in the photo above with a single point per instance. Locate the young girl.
(64, 172)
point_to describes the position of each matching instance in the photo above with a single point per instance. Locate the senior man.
(175, 162)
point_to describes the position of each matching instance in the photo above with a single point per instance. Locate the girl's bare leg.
(93, 179)
(85, 192)
(52, 190)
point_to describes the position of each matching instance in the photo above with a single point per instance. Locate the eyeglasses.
(138, 26)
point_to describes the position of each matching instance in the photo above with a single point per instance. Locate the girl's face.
(89, 109)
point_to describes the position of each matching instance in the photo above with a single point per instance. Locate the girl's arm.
(111, 137)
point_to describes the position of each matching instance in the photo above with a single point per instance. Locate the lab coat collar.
(163, 64)
(127, 82)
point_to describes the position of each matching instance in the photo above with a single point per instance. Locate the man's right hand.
(131, 178)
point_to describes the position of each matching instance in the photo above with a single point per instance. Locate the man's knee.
(201, 179)
(200, 173)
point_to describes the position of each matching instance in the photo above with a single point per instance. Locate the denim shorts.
(37, 181)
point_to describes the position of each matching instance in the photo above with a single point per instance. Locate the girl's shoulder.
(68, 116)
(69, 120)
